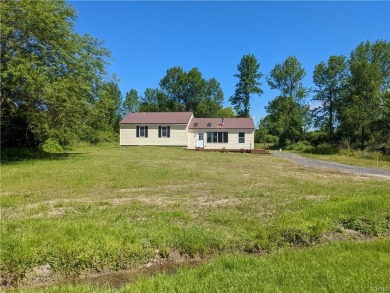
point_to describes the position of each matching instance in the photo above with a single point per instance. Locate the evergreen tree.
(249, 83)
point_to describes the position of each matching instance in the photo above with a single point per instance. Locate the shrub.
(317, 137)
(301, 146)
(51, 146)
(325, 149)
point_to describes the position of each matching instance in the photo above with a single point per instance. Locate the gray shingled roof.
(157, 118)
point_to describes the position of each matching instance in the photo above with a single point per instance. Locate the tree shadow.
(15, 155)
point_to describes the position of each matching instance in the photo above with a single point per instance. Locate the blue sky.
(147, 38)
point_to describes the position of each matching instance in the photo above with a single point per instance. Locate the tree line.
(352, 97)
(55, 88)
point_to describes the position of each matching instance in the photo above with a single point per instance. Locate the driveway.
(297, 159)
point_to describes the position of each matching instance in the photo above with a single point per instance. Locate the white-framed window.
(142, 131)
(241, 137)
(164, 131)
(217, 137)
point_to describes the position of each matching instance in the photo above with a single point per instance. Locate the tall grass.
(339, 267)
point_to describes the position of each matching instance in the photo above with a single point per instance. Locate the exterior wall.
(232, 144)
(178, 135)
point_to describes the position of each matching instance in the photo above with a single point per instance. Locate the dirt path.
(376, 172)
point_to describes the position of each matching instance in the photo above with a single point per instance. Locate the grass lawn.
(110, 208)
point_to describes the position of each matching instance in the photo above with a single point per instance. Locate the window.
(142, 131)
(241, 137)
(196, 124)
(208, 124)
(164, 131)
(217, 137)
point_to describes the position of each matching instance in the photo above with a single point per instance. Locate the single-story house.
(183, 129)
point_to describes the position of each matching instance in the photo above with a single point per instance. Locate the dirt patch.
(344, 235)
(158, 200)
(43, 275)
(55, 212)
(39, 276)
(166, 265)
(317, 198)
(212, 202)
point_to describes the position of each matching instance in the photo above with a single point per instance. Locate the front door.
(200, 140)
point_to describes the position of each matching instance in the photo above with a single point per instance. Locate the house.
(183, 129)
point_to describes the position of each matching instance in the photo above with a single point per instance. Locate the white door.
(200, 140)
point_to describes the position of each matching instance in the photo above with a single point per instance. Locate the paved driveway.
(377, 172)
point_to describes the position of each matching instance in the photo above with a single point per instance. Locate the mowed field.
(226, 222)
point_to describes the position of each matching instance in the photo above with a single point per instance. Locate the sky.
(147, 38)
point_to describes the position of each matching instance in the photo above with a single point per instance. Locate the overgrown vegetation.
(333, 268)
(110, 208)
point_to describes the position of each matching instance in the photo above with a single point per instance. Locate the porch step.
(260, 151)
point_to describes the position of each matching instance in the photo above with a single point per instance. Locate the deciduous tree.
(189, 91)
(49, 73)
(331, 80)
(287, 115)
(364, 105)
(131, 102)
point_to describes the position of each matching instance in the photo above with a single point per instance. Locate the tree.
(364, 105)
(288, 115)
(107, 107)
(284, 120)
(249, 83)
(227, 112)
(331, 82)
(155, 100)
(102, 122)
(50, 75)
(287, 78)
(189, 91)
(131, 102)
(211, 103)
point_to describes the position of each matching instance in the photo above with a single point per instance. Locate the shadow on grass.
(14, 155)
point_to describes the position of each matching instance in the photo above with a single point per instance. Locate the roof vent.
(222, 122)
(196, 124)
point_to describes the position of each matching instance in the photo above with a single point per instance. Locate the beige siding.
(178, 135)
(232, 138)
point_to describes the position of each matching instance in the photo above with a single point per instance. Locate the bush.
(301, 146)
(305, 147)
(325, 149)
(317, 137)
(51, 146)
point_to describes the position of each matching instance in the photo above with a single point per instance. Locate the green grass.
(339, 267)
(110, 208)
